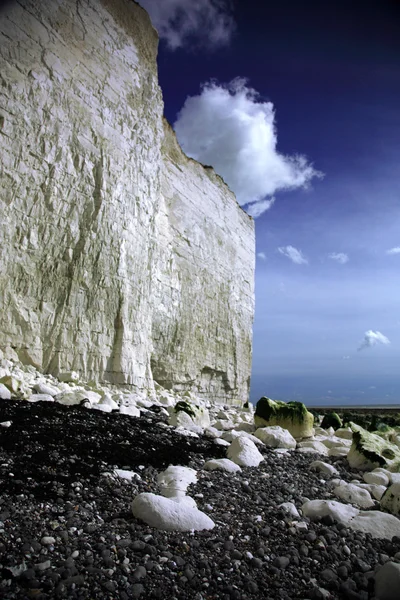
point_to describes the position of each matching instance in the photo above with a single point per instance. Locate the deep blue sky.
(332, 72)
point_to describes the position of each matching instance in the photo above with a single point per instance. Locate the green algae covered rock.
(292, 416)
(331, 419)
(186, 414)
(370, 450)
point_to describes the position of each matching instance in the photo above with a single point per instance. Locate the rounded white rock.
(170, 514)
(244, 452)
(221, 464)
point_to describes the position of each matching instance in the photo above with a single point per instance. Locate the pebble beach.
(68, 477)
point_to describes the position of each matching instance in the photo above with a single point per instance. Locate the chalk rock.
(376, 477)
(335, 442)
(354, 494)
(312, 446)
(224, 425)
(175, 480)
(290, 509)
(221, 464)
(342, 513)
(369, 450)
(45, 388)
(170, 514)
(326, 469)
(292, 416)
(107, 404)
(275, 437)
(6, 424)
(229, 436)
(344, 451)
(11, 383)
(387, 581)
(41, 398)
(391, 499)
(68, 377)
(5, 393)
(132, 411)
(70, 398)
(127, 475)
(244, 452)
(344, 433)
(221, 442)
(245, 426)
(186, 414)
(376, 491)
(212, 432)
(379, 524)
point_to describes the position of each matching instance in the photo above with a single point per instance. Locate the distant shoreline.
(363, 407)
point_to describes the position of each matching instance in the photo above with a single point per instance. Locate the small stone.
(328, 575)
(139, 573)
(281, 562)
(47, 540)
(136, 590)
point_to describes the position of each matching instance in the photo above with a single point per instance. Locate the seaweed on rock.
(268, 409)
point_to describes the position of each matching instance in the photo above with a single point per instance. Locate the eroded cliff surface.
(121, 258)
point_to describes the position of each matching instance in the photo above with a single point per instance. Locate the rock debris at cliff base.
(68, 529)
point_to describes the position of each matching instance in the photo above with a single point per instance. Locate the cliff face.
(121, 258)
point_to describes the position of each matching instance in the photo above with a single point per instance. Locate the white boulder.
(223, 425)
(175, 480)
(222, 464)
(354, 494)
(379, 524)
(170, 514)
(376, 491)
(391, 499)
(70, 398)
(275, 437)
(107, 404)
(41, 398)
(229, 436)
(290, 509)
(221, 442)
(344, 451)
(5, 393)
(312, 446)
(68, 377)
(185, 414)
(376, 477)
(132, 411)
(244, 452)
(45, 388)
(344, 433)
(127, 475)
(212, 432)
(322, 467)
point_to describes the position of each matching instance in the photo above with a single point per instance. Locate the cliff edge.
(121, 258)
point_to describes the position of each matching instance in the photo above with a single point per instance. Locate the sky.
(297, 106)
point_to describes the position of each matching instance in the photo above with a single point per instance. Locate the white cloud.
(340, 257)
(180, 23)
(256, 209)
(295, 255)
(261, 255)
(395, 250)
(232, 129)
(371, 338)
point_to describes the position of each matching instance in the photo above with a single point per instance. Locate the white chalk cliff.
(120, 257)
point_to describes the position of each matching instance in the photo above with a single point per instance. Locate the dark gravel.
(52, 461)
